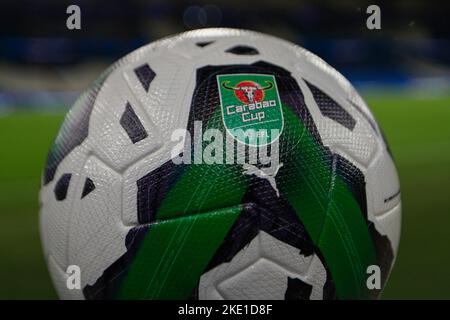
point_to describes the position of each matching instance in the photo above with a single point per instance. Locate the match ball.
(220, 164)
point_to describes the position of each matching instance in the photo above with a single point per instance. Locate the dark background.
(402, 70)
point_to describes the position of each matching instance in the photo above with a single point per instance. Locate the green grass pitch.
(417, 129)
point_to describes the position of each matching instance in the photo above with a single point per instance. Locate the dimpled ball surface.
(140, 226)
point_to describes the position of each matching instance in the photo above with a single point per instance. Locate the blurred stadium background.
(402, 70)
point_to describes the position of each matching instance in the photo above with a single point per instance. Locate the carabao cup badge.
(251, 107)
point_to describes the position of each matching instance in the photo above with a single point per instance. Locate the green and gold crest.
(251, 107)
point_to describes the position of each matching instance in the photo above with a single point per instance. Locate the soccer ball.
(220, 164)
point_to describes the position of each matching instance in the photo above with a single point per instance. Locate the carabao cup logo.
(251, 107)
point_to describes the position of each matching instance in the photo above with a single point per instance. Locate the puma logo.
(268, 173)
